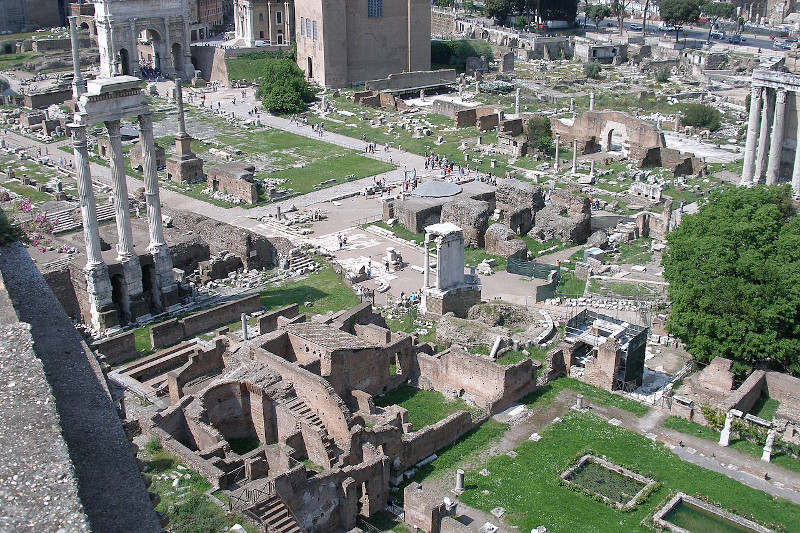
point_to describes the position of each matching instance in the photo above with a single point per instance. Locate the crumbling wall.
(501, 240)
(118, 348)
(420, 444)
(457, 373)
(472, 216)
(568, 218)
(594, 128)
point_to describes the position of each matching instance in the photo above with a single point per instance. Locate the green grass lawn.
(515, 356)
(194, 512)
(27, 191)
(528, 486)
(635, 253)
(425, 407)
(620, 288)
(545, 394)
(468, 449)
(537, 247)
(473, 256)
(765, 407)
(324, 289)
(406, 324)
(400, 232)
(745, 446)
(303, 180)
(570, 286)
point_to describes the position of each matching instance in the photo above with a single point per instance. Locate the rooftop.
(327, 336)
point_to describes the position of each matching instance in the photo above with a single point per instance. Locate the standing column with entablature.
(752, 136)
(763, 136)
(776, 143)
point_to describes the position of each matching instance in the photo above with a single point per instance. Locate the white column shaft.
(574, 156)
(763, 137)
(120, 187)
(557, 164)
(83, 176)
(776, 146)
(752, 136)
(426, 282)
(438, 265)
(154, 223)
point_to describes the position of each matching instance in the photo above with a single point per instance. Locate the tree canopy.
(284, 88)
(679, 12)
(455, 53)
(540, 133)
(597, 12)
(734, 275)
(716, 11)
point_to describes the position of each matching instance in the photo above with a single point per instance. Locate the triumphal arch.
(143, 34)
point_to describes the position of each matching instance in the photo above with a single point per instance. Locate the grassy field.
(635, 253)
(406, 324)
(466, 450)
(335, 167)
(400, 232)
(765, 407)
(704, 432)
(570, 285)
(324, 289)
(528, 486)
(189, 510)
(545, 394)
(425, 407)
(515, 356)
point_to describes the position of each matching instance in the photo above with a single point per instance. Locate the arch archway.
(177, 57)
(124, 62)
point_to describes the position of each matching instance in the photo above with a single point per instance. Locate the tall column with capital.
(133, 57)
(78, 83)
(439, 263)
(132, 305)
(752, 136)
(776, 146)
(162, 257)
(98, 284)
(763, 137)
(426, 280)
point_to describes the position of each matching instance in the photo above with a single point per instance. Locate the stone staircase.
(70, 219)
(301, 261)
(275, 515)
(261, 504)
(302, 411)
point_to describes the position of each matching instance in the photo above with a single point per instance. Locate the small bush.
(701, 116)
(284, 88)
(540, 134)
(592, 70)
(662, 74)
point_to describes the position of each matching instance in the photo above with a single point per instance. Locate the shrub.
(540, 134)
(592, 70)
(662, 74)
(284, 88)
(455, 53)
(701, 116)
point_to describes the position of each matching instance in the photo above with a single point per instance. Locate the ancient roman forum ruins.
(772, 151)
(423, 300)
(109, 100)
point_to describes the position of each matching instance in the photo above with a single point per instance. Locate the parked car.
(636, 27)
(717, 35)
(735, 39)
(780, 45)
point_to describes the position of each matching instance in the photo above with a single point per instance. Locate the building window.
(261, 35)
(280, 38)
(261, 17)
(302, 26)
(308, 27)
(315, 30)
(279, 17)
(374, 8)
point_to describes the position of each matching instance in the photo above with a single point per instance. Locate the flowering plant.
(20, 223)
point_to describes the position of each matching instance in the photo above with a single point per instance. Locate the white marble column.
(83, 176)
(763, 137)
(776, 143)
(574, 156)
(98, 284)
(133, 56)
(752, 136)
(78, 84)
(120, 188)
(557, 164)
(591, 101)
(426, 280)
(439, 263)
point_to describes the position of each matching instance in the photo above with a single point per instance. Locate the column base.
(98, 287)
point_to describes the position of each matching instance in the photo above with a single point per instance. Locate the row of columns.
(765, 137)
(725, 435)
(426, 281)
(98, 281)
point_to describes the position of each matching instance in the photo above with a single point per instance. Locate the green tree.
(597, 12)
(701, 116)
(592, 70)
(558, 10)
(284, 88)
(679, 12)
(715, 11)
(734, 278)
(618, 9)
(499, 10)
(455, 53)
(540, 134)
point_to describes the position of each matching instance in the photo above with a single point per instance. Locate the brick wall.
(118, 348)
(420, 444)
